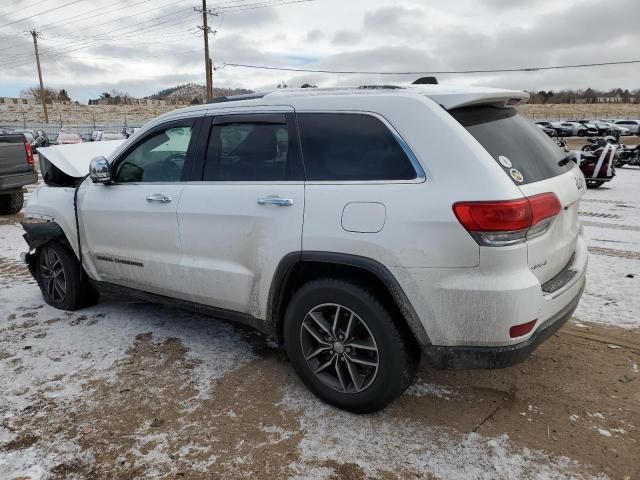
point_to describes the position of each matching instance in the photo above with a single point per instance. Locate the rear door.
(536, 165)
(245, 214)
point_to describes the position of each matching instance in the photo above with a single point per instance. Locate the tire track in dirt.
(612, 252)
(614, 226)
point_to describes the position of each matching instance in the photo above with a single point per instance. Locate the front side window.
(351, 147)
(158, 158)
(250, 151)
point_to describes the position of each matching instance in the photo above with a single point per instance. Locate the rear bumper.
(11, 183)
(468, 357)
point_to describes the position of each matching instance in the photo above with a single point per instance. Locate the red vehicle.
(596, 161)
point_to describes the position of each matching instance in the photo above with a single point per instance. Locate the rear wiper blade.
(565, 160)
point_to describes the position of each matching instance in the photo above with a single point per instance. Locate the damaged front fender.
(39, 233)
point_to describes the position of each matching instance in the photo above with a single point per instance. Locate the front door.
(246, 213)
(129, 227)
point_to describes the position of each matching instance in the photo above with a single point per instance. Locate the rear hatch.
(536, 165)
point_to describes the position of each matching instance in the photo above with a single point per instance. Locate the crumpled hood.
(74, 159)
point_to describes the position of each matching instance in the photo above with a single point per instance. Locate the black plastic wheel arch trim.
(285, 267)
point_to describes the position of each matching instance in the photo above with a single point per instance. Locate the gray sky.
(142, 46)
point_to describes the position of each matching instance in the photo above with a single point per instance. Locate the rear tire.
(57, 271)
(346, 347)
(11, 203)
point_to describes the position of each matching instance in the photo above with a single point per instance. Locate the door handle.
(159, 197)
(281, 202)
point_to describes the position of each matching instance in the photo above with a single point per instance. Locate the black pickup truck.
(17, 169)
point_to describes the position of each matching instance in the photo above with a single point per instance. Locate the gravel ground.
(133, 390)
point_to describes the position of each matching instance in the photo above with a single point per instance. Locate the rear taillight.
(506, 222)
(29, 152)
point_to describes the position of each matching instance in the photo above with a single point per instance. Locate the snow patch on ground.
(11, 242)
(381, 443)
(421, 389)
(49, 351)
(610, 296)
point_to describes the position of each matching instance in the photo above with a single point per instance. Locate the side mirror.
(99, 170)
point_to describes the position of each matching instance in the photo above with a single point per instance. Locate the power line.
(67, 48)
(425, 72)
(266, 5)
(41, 13)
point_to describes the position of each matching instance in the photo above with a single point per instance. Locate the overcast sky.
(142, 46)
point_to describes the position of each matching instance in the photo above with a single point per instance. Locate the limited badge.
(516, 175)
(505, 162)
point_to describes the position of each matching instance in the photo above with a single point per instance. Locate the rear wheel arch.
(298, 268)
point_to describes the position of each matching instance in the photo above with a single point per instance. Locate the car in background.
(632, 125)
(66, 137)
(577, 129)
(549, 131)
(29, 135)
(95, 135)
(616, 129)
(42, 139)
(602, 128)
(559, 129)
(107, 136)
(36, 138)
(17, 169)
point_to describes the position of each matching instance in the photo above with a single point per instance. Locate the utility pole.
(207, 59)
(35, 34)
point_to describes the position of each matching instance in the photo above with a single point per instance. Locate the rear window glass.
(514, 142)
(348, 147)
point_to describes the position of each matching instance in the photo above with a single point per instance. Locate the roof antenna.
(426, 81)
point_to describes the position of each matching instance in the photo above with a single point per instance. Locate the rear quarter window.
(504, 133)
(351, 147)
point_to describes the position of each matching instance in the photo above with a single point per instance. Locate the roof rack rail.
(379, 87)
(236, 98)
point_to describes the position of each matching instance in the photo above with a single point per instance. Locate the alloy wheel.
(53, 276)
(339, 348)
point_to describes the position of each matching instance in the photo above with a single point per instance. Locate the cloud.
(345, 37)
(408, 35)
(314, 36)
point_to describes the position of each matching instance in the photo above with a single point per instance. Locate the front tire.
(346, 347)
(57, 272)
(11, 203)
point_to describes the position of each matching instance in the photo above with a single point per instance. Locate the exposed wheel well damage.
(298, 268)
(39, 233)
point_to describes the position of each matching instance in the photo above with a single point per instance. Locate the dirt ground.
(578, 396)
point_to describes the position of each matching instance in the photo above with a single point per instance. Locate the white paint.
(74, 159)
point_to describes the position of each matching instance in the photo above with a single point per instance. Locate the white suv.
(356, 226)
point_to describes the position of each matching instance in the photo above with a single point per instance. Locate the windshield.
(514, 142)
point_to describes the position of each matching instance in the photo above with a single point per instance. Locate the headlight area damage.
(64, 165)
(50, 213)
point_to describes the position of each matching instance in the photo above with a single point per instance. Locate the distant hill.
(194, 93)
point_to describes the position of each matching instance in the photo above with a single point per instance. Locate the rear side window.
(246, 150)
(347, 147)
(514, 142)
